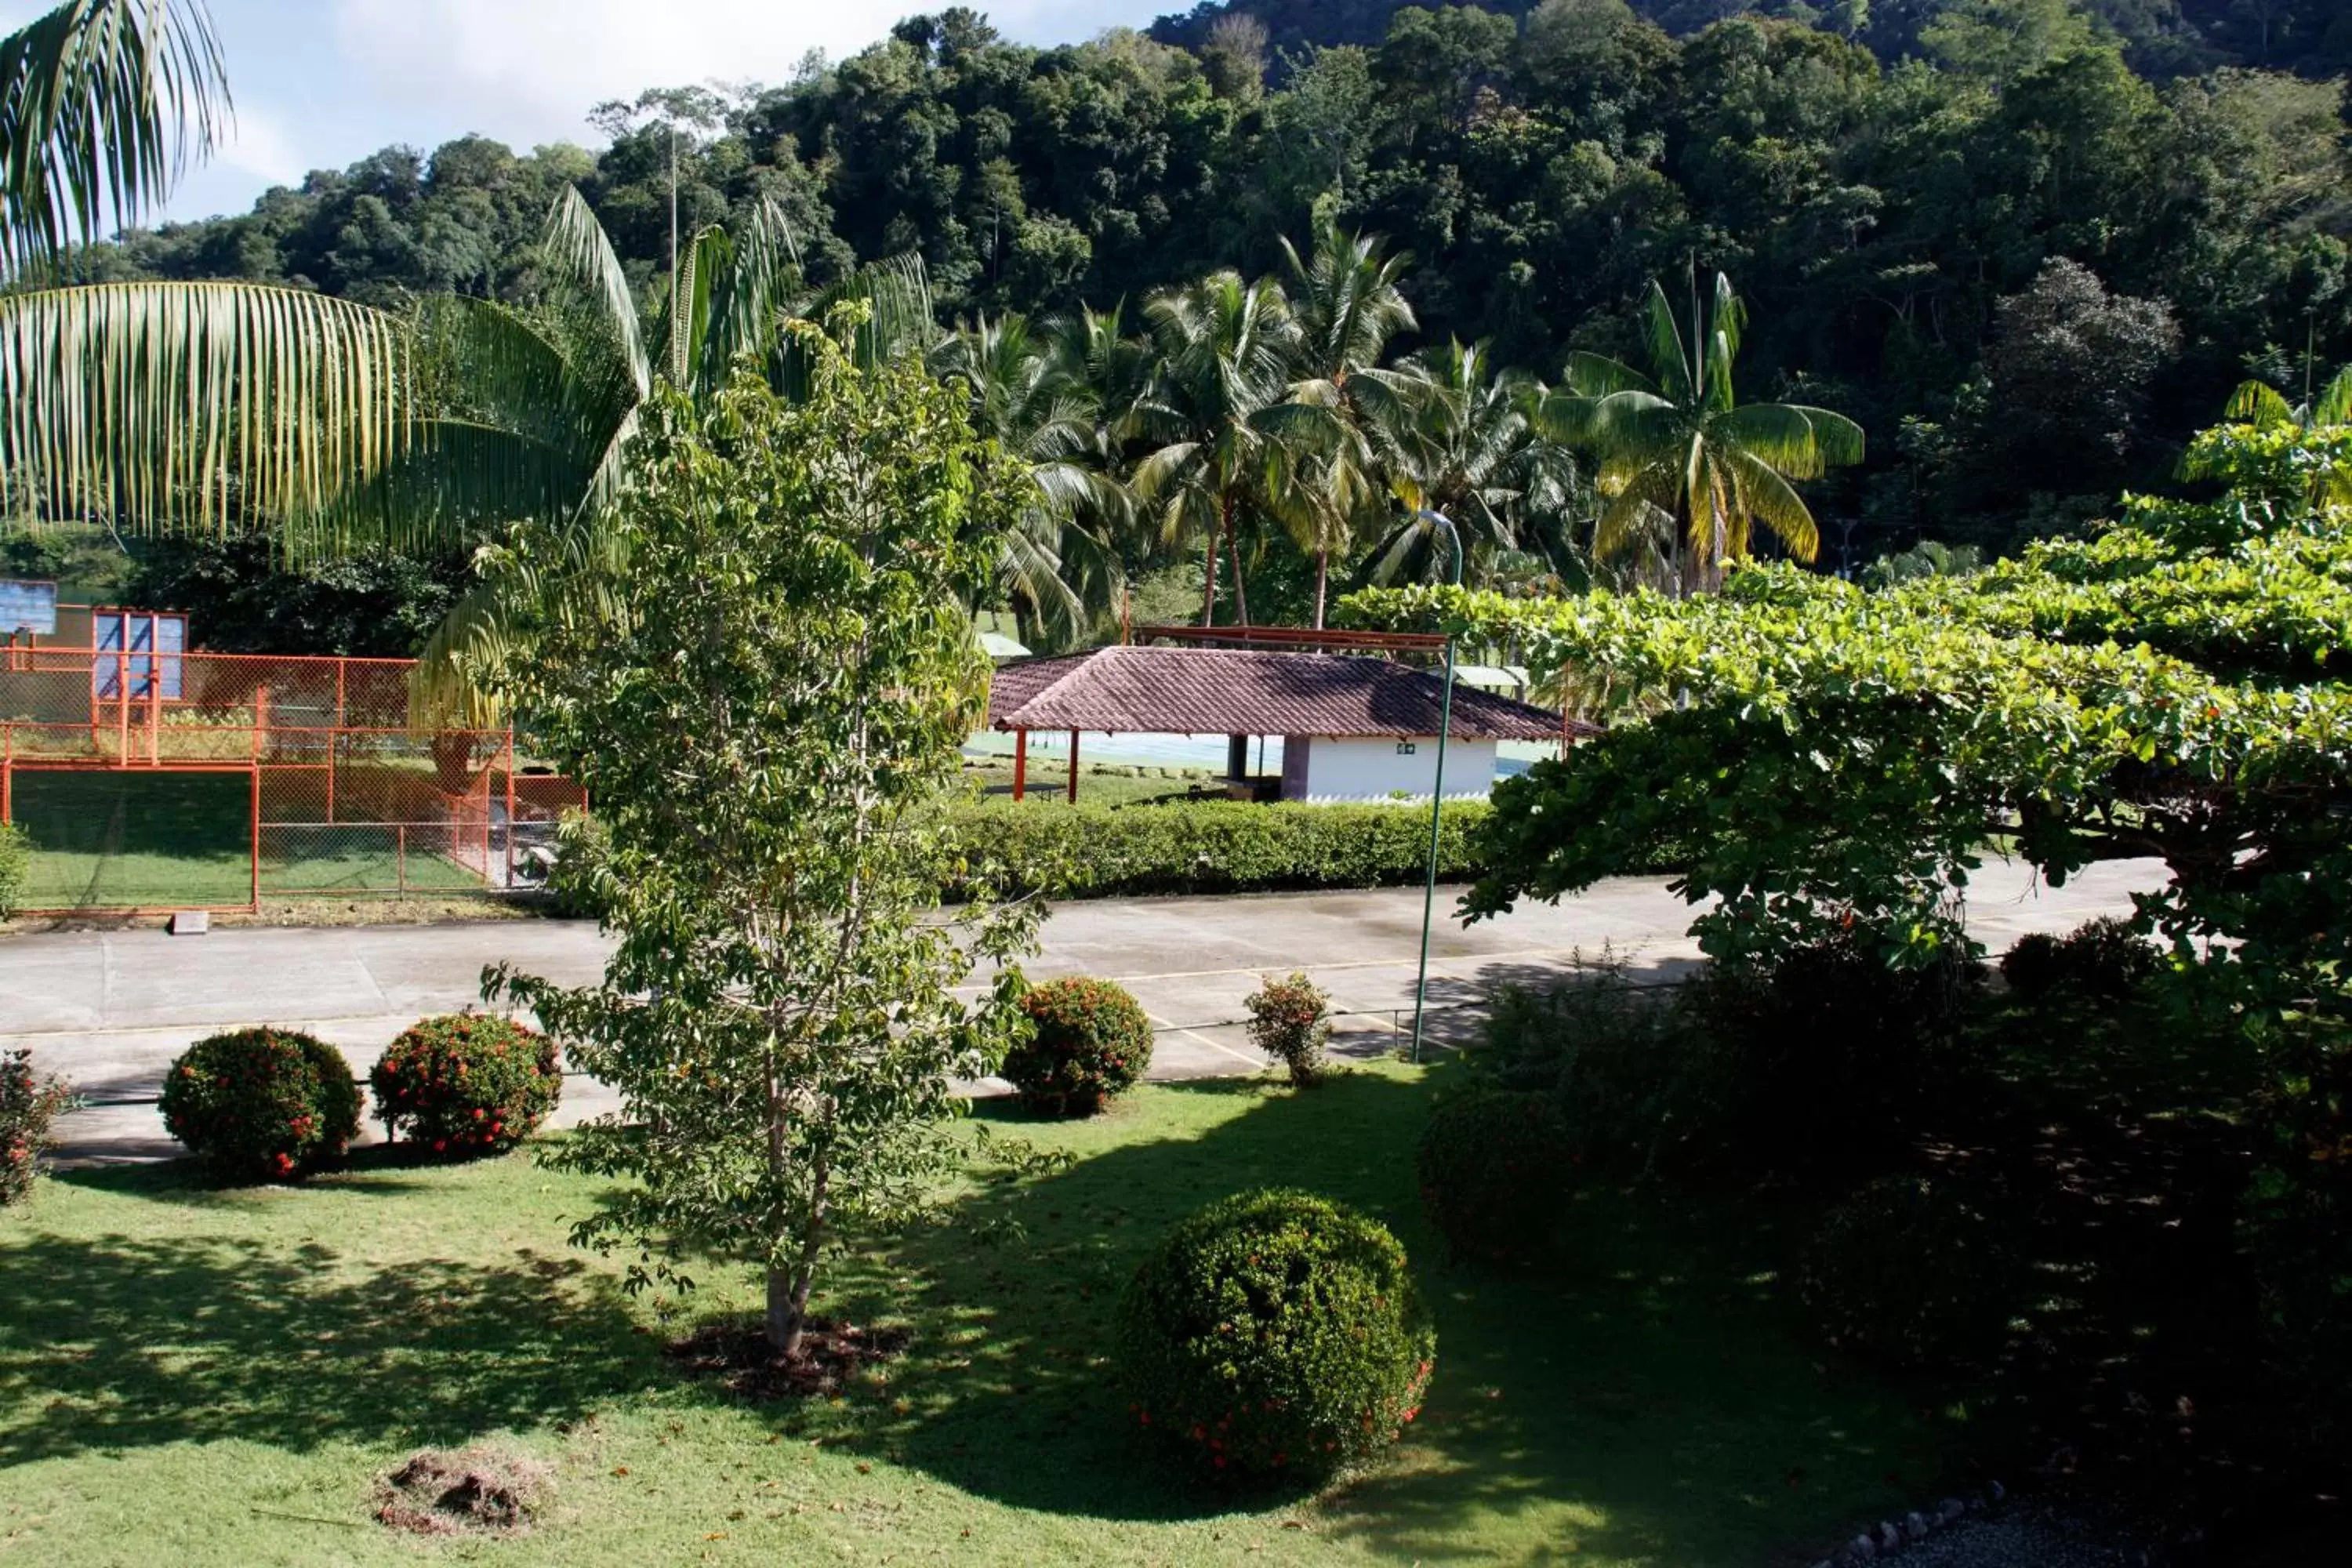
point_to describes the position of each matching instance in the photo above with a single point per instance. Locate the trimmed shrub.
(1290, 1020)
(1276, 1334)
(1088, 1041)
(465, 1083)
(1908, 1272)
(2102, 959)
(1494, 1166)
(29, 1102)
(1210, 846)
(16, 867)
(261, 1105)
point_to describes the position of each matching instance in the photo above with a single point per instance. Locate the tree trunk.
(1322, 576)
(787, 1311)
(1209, 598)
(1241, 593)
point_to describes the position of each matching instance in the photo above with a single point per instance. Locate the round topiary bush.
(1493, 1167)
(1274, 1333)
(262, 1104)
(1911, 1273)
(1088, 1041)
(465, 1083)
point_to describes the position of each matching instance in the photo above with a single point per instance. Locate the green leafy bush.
(15, 868)
(1830, 1052)
(1908, 1272)
(1211, 846)
(1631, 1075)
(1290, 1020)
(1494, 1166)
(262, 1104)
(1089, 1041)
(1276, 1333)
(465, 1083)
(29, 1102)
(2102, 959)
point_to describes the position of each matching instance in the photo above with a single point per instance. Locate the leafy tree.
(765, 741)
(1677, 447)
(2004, 39)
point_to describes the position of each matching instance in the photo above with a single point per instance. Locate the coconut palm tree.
(103, 105)
(1223, 352)
(1347, 305)
(1039, 406)
(1677, 445)
(1455, 434)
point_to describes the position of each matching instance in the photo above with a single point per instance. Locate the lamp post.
(1437, 785)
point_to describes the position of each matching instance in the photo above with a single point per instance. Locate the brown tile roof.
(1244, 691)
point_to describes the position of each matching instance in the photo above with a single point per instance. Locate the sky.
(322, 83)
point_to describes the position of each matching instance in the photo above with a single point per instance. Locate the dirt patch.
(480, 1490)
(830, 1355)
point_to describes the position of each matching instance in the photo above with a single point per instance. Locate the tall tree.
(1224, 351)
(766, 741)
(1678, 444)
(102, 104)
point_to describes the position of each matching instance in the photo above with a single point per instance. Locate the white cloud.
(529, 69)
(260, 148)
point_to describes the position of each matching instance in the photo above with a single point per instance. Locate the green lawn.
(182, 1370)
(122, 840)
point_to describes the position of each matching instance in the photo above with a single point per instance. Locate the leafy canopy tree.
(1676, 447)
(766, 738)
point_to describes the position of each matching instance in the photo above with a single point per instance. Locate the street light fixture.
(1437, 785)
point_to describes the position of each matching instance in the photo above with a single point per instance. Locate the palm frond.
(581, 257)
(2259, 404)
(104, 103)
(153, 405)
(1762, 493)
(1801, 442)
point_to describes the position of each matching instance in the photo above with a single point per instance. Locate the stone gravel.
(2017, 1535)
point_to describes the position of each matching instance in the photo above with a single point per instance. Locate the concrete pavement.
(108, 1010)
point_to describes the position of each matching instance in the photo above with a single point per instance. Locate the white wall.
(1338, 770)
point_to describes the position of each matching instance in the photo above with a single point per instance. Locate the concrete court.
(108, 1010)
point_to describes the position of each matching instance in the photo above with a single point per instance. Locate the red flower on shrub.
(472, 1080)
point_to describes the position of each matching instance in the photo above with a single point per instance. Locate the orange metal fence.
(125, 766)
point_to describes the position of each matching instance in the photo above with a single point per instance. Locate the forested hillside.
(1894, 215)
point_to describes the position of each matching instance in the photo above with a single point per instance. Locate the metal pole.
(1436, 789)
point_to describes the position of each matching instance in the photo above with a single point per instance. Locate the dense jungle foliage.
(1888, 186)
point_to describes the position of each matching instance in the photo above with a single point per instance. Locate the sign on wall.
(28, 606)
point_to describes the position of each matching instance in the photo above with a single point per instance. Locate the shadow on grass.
(1646, 1401)
(115, 1340)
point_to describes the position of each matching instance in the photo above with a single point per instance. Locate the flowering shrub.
(1908, 1272)
(1493, 1167)
(1088, 1040)
(262, 1104)
(1290, 1020)
(467, 1083)
(1274, 1333)
(29, 1101)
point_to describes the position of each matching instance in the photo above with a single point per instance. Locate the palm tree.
(1677, 445)
(103, 105)
(1224, 350)
(1040, 407)
(1346, 306)
(1456, 435)
(2259, 404)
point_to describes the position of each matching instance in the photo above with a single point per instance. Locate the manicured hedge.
(1216, 847)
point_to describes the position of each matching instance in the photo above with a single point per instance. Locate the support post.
(1074, 767)
(8, 773)
(1236, 757)
(1020, 763)
(256, 846)
(510, 816)
(1436, 794)
(155, 689)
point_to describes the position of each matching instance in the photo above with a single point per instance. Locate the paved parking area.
(108, 1010)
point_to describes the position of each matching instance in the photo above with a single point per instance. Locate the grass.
(108, 838)
(1110, 784)
(214, 1378)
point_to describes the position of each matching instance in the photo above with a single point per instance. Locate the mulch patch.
(830, 1355)
(481, 1490)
